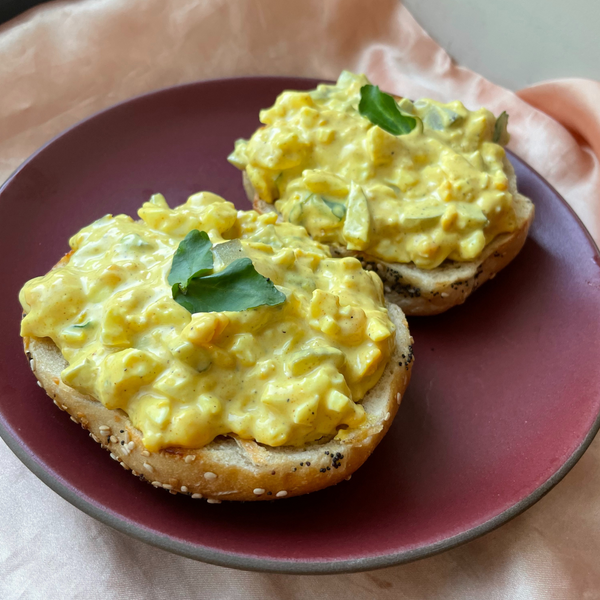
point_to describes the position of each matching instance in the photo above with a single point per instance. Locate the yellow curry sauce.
(438, 192)
(286, 374)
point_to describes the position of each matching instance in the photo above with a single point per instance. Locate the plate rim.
(249, 562)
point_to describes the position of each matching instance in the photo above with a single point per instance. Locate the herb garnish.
(239, 286)
(193, 258)
(381, 109)
(500, 129)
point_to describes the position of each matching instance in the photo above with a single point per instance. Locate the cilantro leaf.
(193, 258)
(381, 109)
(501, 135)
(237, 287)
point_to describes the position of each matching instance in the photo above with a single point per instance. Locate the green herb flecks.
(239, 286)
(337, 208)
(381, 109)
(501, 135)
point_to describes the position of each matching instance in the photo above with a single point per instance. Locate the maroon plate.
(505, 395)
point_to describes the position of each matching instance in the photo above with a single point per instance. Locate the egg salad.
(289, 370)
(421, 193)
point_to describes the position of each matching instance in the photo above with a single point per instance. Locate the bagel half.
(230, 468)
(423, 292)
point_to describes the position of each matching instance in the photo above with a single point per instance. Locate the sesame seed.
(387, 416)
(184, 489)
(387, 289)
(210, 476)
(113, 439)
(55, 402)
(398, 397)
(94, 438)
(64, 407)
(124, 466)
(148, 467)
(40, 384)
(189, 458)
(444, 294)
(156, 483)
(126, 437)
(104, 429)
(113, 456)
(131, 445)
(135, 473)
(258, 491)
(145, 453)
(32, 364)
(126, 450)
(281, 494)
(167, 486)
(213, 501)
(196, 496)
(349, 478)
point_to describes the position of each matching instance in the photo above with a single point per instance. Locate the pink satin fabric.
(66, 60)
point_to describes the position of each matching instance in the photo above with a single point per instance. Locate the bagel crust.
(424, 292)
(230, 468)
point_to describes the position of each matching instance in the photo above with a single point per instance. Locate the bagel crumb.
(258, 491)
(281, 494)
(209, 476)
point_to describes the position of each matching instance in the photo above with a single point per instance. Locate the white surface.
(516, 43)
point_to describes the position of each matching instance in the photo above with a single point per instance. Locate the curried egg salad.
(202, 321)
(404, 181)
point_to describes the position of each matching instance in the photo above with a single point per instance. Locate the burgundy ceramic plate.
(505, 395)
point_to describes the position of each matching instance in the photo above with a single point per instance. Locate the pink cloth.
(66, 60)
